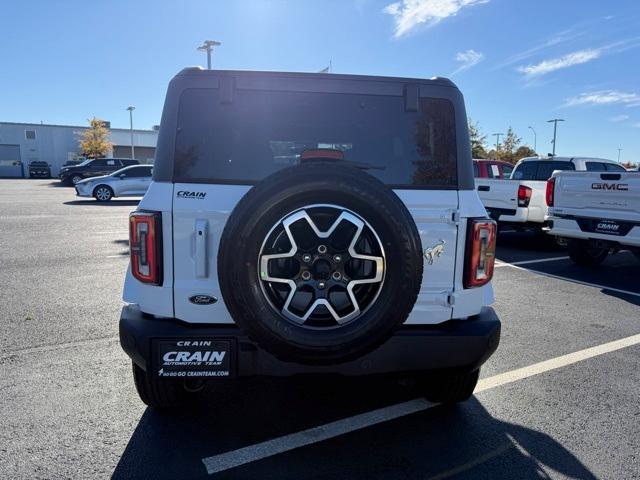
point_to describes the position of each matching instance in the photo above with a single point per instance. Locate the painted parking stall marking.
(573, 280)
(527, 262)
(269, 448)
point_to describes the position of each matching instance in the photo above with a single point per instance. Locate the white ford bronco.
(304, 224)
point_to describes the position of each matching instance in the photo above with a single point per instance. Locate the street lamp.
(555, 129)
(619, 152)
(131, 109)
(535, 139)
(497, 135)
(207, 46)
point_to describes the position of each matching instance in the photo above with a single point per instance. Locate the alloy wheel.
(103, 194)
(321, 266)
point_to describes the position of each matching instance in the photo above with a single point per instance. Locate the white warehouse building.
(23, 143)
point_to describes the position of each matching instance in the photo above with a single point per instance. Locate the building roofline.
(84, 127)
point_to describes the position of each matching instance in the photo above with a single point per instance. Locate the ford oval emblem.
(202, 299)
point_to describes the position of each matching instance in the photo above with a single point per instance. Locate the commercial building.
(22, 143)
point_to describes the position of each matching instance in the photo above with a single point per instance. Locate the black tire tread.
(450, 387)
(158, 393)
(577, 250)
(349, 179)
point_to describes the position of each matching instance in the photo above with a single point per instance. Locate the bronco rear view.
(305, 224)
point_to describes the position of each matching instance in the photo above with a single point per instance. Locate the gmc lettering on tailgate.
(610, 186)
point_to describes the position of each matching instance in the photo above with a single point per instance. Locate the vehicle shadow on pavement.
(633, 299)
(464, 441)
(536, 242)
(57, 184)
(112, 203)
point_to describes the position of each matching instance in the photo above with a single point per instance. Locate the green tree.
(94, 141)
(478, 139)
(509, 146)
(522, 152)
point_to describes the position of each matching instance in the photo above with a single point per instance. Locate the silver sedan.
(130, 181)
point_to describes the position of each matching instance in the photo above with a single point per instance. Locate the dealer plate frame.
(209, 348)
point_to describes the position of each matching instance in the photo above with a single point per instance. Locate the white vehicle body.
(508, 203)
(302, 223)
(601, 207)
(439, 215)
(132, 181)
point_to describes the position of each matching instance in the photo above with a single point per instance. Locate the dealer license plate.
(193, 357)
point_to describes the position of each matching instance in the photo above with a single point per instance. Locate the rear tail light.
(524, 196)
(551, 185)
(481, 252)
(145, 241)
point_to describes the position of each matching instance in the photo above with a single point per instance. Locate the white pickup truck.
(520, 201)
(597, 213)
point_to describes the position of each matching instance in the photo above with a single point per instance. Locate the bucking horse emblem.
(431, 253)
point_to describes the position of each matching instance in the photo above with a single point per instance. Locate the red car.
(491, 169)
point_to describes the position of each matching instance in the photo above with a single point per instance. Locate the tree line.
(509, 150)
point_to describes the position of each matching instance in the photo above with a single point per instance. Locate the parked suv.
(309, 223)
(93, 168)
(39, 169)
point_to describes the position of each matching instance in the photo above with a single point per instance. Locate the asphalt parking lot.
(559, 399)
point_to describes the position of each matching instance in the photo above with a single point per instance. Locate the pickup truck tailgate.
(499, 197)
(598, 195)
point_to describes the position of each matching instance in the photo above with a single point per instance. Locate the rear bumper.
(457, 344)
(568, 227)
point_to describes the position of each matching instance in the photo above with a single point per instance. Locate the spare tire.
(319, 263)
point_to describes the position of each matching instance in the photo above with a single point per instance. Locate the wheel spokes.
(331, 260)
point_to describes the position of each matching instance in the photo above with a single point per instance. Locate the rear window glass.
(612, 167)
(595, 167)
(260, 132)
(541, 170)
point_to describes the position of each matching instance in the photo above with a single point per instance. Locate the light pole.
(535, 140)
(497, 135)
(207, 46)
(131, 109)
(619, 151)
(555, 130)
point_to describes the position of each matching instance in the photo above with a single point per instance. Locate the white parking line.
(242, 456)
(573, 280)
(527, 262)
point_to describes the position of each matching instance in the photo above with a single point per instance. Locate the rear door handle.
(202, 230)
(484, 188)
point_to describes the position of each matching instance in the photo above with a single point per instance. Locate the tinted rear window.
(541, 170)
(260, 132)
(612, 167)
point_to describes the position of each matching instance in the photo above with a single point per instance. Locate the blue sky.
(518, 62)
